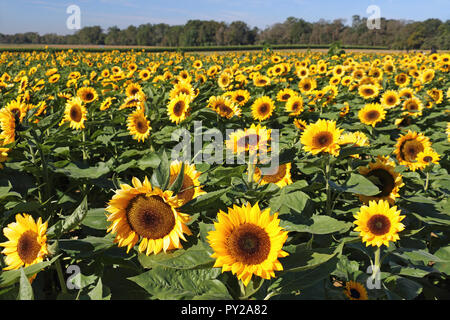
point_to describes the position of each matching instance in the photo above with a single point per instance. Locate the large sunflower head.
(355, 291)
(382, 174)
(75, 113)
(87, 94)
(409, 146)
(372, 114)
(322, 136)
(248, 241)
(178, 108)
(282, 177)
(378, 223)
(147, 214)
(262, 108)
(27, 242)
(138, 125)
(191, 187)
(307, 85)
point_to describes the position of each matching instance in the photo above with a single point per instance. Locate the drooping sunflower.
(355, 291)
(252, 140)
(27, 242)
(191, 187)
(382, 174)
(133, 101)
(390, 99)
(75, 113)
(322, 136)
(378, 223)
(372, 114)
(248, 241)
(178, 108)
(106, 104)
(262, 108)
(356, 139)
(138, 125)
(409, 146)
(300, 124)
(87, 94)
(294, 105)
(224, 106)
(282, 177)
(146, 213)
(368, 91)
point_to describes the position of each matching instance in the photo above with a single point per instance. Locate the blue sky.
(49, 16)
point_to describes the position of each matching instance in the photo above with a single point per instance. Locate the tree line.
(394, 34)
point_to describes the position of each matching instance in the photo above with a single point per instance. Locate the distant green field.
(96, 48)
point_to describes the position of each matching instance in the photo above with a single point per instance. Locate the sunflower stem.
(251, 169)
(327, 185)
(62, 283)
(376, 264)
(425, 188)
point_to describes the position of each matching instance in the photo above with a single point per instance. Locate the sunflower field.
(94, 204)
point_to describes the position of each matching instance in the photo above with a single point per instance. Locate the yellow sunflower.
(284, 94)
(378, 223)
(106, 104)
(427, 157)
(240, 97)
(191, 187)
(252, 140)
(133, 89)
(75, 113)
(138, 125)
(322, 136)
(184, 88)
(294, 105)
(307, 85)
(382, 174)
(409, 146)
(262, 108)
(300, 124)
(372, 114)
(87, 94)
(178, 108)
(282, 177)
(3, 156)
(356, 139)
(390, 99)
(355, 291)
(146, 213)
(413, 107)
(368, 91)
(247, 242)
(27, 242)
(224, 106)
